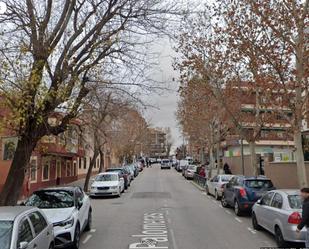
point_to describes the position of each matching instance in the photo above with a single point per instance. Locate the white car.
(68, 209)
(215, 186)
(25, 228)
(107, 184)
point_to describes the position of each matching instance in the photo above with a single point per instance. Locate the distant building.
(158, 142)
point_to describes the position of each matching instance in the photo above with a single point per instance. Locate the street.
(193, 220)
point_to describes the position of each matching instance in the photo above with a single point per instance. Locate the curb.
(197, 186)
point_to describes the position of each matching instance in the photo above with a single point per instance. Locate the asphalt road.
(183, 217)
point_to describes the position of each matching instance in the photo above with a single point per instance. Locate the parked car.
(136, 169)
(182, 165)
(25, 228)
(130, 169)
(242, 192)
(166, 164)
(190, 171)
(68, 208)
(107, 184)
(215, 186)
(279, 212)
(124, 174)
(140, 166)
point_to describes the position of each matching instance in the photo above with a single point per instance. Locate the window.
(58, 169)
(295, 201)
(33, 170)
(85, 162)
(74, 168)
(267, 199)
(79, 162)
(277, 201)
(69, 169)
(24, 232)
(45, 171)
(215, 179)
(38, 221)
(9, 146)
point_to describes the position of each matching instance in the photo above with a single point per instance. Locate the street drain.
(152, 195)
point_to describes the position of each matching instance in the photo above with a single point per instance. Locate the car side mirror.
(79, 204)
(23, 245)
(259, 201)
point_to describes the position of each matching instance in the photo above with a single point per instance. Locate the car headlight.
(114, 187)
(66, 223)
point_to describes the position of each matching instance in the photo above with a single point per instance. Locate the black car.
(242, 192)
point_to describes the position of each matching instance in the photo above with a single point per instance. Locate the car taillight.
(294, 218)
(242, 192)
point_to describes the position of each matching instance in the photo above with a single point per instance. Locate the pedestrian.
(227, 169)
(305, 214)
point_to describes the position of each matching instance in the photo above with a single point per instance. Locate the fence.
(199, 180)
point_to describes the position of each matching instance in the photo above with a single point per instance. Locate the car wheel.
(216, 195)
(224, 202)
(51, 246)
(89, 221)
(76, 237)
(237, 208)
(279, 237)
(255, 223)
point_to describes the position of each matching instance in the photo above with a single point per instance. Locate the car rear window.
(295, 201)
(258, 184)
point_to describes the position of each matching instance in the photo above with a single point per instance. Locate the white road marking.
(251, 230)
(239, 220)
(88, 237)
(93, 230)
(228, 212)
(173, 239)
(220, 206)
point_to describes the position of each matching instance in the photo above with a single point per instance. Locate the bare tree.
(51, 51)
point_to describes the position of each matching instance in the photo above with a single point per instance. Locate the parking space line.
(239, 220)
(93, 230)
(220, 206)
(88, 237)
(251, 230)
(228, 212)
(173, 239)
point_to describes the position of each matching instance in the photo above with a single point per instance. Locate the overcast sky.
(165, 103)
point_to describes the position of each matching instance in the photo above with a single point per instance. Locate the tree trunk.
(300, 162)
(101, 161)
(212, 162)
(14, 182)
(218, 158)
(253, 158)
(89, 172)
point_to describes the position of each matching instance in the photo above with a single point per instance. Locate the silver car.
(190, 171)
(279, 212)
(25, 228)
(215, 186)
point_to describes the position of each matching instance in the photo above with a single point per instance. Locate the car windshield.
(6, 228)
(295, 201)
(259, 184)
(165, 161)
(226, 178)
(51, 199)
(106, 178)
